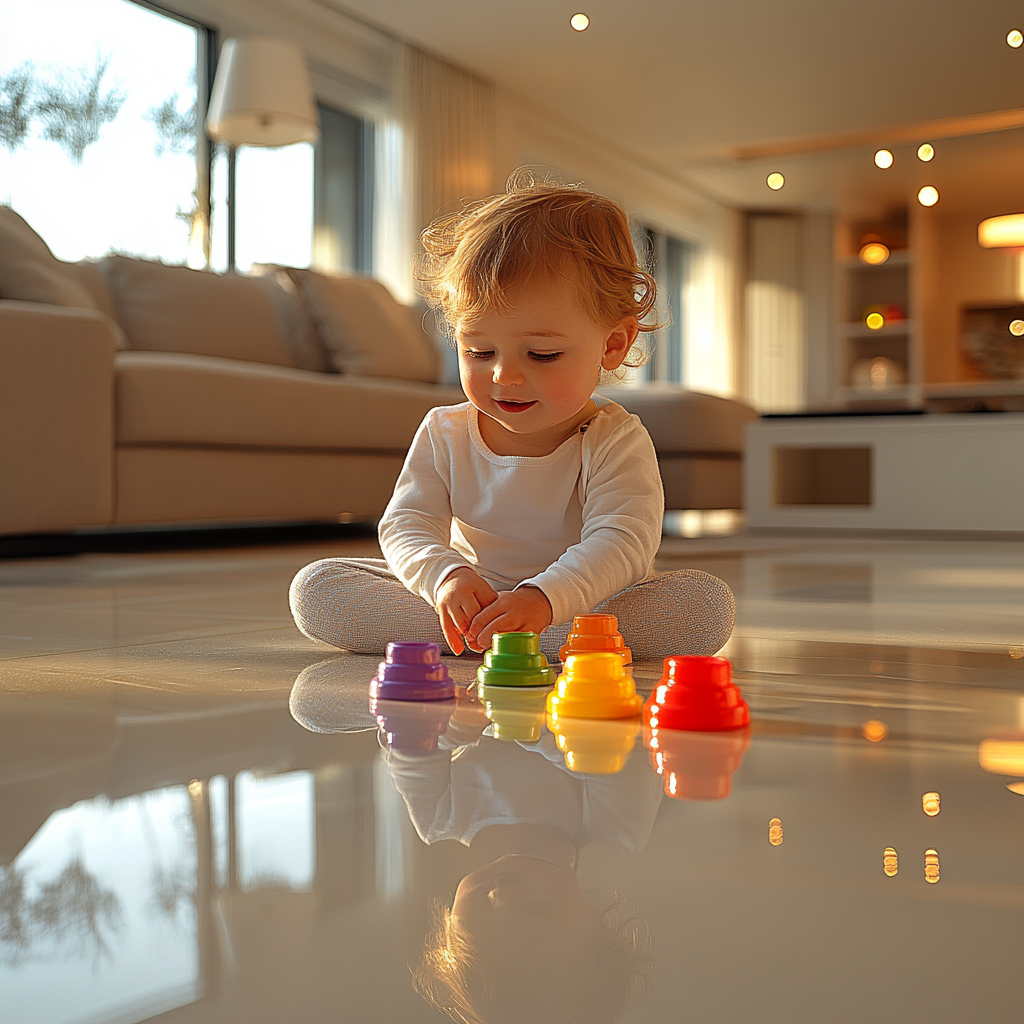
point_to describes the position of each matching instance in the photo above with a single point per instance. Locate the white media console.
(958, 471)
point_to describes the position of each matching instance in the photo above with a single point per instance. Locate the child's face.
(522, 916)
(535, 366)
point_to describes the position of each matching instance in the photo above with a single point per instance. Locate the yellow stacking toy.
(594, 747)
(594, 686)
(593, 634)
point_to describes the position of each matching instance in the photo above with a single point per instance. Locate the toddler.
(535, 500)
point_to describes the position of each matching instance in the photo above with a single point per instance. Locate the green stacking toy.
(516, 712)
(515, 660)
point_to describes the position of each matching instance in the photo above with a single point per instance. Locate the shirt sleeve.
(415, 530)
(623, 508)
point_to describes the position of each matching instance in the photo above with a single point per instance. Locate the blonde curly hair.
(450, 977)
(472, 260)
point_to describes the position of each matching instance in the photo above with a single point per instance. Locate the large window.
(98, 145)
(102, 148)
(673, 260)
(301, 205)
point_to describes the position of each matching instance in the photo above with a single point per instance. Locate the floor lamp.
(262, 96)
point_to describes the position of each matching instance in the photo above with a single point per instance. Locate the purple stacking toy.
(412, 670)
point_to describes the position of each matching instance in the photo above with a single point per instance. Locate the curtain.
(449, 115)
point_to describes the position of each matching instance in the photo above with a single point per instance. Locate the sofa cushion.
(302, 336)
(364, 329)
(173, 399)
(175, 309)
(684, 422)
(31, 273)
(90, 274)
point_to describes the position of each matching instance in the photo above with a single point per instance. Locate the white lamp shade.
(262, 95)
(1002, 232)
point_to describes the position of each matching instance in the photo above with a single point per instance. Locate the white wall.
(360, 69)
(529, 135)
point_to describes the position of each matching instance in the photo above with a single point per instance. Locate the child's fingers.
(495, 618)
(464, 613)
(486, 615)
(502, 624)
(451, 632)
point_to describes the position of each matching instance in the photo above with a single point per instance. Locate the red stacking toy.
(696, 765)
(595, 634)
(696, 694)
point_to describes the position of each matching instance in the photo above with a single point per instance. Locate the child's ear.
(619, 341)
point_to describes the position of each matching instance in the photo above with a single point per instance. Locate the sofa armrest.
(56, 417)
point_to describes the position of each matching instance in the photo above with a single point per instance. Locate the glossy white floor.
(177, 844)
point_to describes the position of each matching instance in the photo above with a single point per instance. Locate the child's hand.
(524, 610)
(460, 598)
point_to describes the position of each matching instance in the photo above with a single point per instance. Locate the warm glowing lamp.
(931, 866)
(775, 181)
(262, 95)
(931, 804)
(1006, 232)
(874, 731)
(1002, 756)
(883, 159)
(775, 832)
(874, 254)
(925, 152)
(928, 196)
(1017, 328)
(890, 861)
(1014, 38)
(579, 22)
(874, 321)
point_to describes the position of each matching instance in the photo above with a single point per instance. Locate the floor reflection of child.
(535, 501)
(522, 941)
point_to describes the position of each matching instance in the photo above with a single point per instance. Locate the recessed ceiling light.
(775, 181)
(883, 159)
(925, 152)
(1017, 328)
(874, 254)
(1015, 37)
(928, 196)
(579, 22)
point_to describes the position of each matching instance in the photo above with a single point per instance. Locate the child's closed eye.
(544, 357)
(473, 353)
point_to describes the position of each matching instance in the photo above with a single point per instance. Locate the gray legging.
(358, 604)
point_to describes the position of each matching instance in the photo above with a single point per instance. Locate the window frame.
(207, 53)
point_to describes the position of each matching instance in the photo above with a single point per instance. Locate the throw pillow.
(31, 273)
(176, 309)
(365, 330)
(302, 337)
(90, 274)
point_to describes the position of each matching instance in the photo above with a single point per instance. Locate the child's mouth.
(513, 406)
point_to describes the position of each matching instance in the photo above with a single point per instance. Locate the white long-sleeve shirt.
(581, 524)
(455, 794)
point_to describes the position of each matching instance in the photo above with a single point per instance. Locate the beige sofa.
(133, 393)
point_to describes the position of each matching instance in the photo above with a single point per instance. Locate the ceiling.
(685, 82)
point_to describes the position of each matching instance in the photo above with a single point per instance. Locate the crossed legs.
(358, 605)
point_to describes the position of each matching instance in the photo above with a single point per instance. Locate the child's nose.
(506, 373)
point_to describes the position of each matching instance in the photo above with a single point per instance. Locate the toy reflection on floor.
(525, 817)
(525, 776)
(697, 728)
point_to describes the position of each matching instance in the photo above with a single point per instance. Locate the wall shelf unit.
(880, 364)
